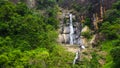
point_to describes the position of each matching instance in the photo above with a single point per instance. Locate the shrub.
(86, 34)
(111, 15)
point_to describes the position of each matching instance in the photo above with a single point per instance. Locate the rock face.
(69, 32)
(66, 30)
(94, 9)
(98, 8)
(64, 38)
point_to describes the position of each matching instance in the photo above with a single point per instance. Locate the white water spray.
(71, 30)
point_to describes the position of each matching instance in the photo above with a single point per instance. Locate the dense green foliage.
(115, 53)
(27, 38)
(111, 30)
(43, 4)
(24, 25)
(87, 22)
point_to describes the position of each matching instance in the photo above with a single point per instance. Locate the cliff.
(93, 9)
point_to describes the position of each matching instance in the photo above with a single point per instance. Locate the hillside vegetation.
(28, 36)
(111, 30)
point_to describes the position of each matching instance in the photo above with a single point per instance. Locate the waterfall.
(71, 30)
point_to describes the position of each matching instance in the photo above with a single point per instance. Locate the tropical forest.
(59, 33)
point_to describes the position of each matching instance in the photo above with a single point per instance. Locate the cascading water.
(71, 30)
(77, 57)
(71, 35)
